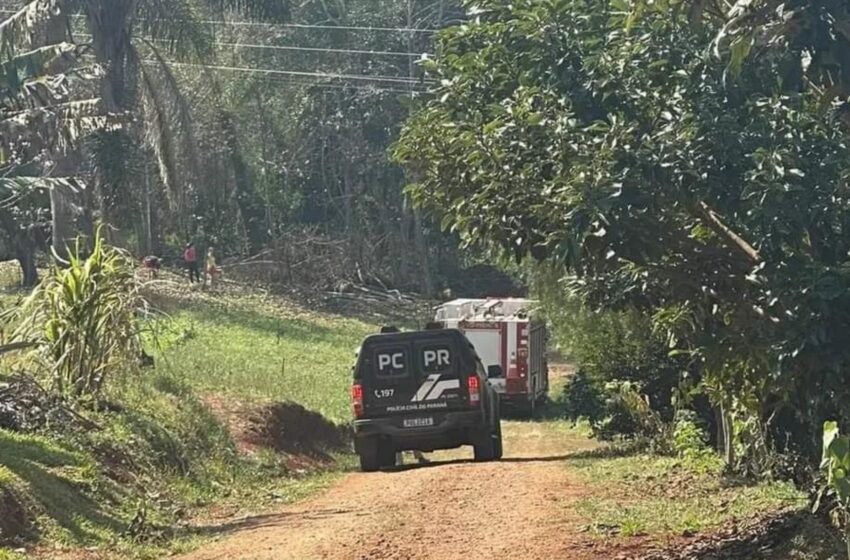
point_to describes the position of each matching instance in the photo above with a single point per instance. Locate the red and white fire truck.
(505, 332)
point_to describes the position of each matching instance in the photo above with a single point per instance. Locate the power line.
(318, 49)
(296, 48)
(295, 25)
(269, 71)
(328, 85)
(289, 80)
(325, 27)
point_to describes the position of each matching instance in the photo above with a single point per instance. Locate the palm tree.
(130, 39)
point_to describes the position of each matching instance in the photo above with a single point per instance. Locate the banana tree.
(38, 117)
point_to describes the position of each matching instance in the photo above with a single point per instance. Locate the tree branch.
(733, 239)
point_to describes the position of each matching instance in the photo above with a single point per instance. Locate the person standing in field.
(211, 267)
(190, 256)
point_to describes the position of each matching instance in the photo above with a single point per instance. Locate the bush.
(690, 440)
(609, 347)
(81, 320)
(582, 399)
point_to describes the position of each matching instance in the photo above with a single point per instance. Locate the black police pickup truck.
(422, 391)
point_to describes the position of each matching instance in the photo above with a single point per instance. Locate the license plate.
(418, 422)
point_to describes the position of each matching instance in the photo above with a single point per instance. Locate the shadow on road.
(266, 520)
(434, 464)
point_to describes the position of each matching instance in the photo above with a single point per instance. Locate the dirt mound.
(16, 520)
(303, 438)
(25, 406)
(290, 428)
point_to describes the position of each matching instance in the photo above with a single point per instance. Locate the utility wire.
(329, 85)
(269, 71)
(325, 27)
(296, 48)
(297, 81)
(291, 25)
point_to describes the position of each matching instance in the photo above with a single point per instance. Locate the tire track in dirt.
(521, 507)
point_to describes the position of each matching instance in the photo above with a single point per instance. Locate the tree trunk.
(25, 252)
(250, 207)
(66, 165)
(24, 242)
(425, 283)
(726, 441)
(62, 218)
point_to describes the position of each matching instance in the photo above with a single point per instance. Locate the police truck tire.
(386, 456)
(485, 448)
(369, 460)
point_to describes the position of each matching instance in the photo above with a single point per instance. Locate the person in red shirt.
(191, 258)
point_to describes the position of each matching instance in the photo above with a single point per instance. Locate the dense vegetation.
(712, 200)
(222, 123)
(670, 178)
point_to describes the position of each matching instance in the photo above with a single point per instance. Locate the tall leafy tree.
(815, 32)
(615, 148)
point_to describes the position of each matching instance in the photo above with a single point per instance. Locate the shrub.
(609, 348)
(81, 320)
(836, 466)
(690, 440)
(582, 399)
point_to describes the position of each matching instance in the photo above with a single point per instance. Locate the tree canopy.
(570, 131)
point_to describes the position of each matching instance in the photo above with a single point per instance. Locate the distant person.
(151, 264)
(212, 269)
(190, 256)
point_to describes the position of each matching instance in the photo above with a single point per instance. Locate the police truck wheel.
(386, 456)
(370, 455)
(369, 461)
(485, 449)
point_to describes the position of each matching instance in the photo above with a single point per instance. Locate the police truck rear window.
(391, 361)
(436, 358)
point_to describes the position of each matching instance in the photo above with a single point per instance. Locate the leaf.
(23, 184)
(739, 50)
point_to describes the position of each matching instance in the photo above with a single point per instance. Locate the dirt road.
(453, 509)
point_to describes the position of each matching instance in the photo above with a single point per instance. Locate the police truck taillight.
(474, 387)
(357, 400)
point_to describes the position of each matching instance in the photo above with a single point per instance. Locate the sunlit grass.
(660, 496)
(249, 348)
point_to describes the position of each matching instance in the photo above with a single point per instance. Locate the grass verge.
(160, 472)
(157, 476)
(262, 348)
(662, 496)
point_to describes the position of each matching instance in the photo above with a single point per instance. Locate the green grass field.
(261, 348)
(174, 459)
